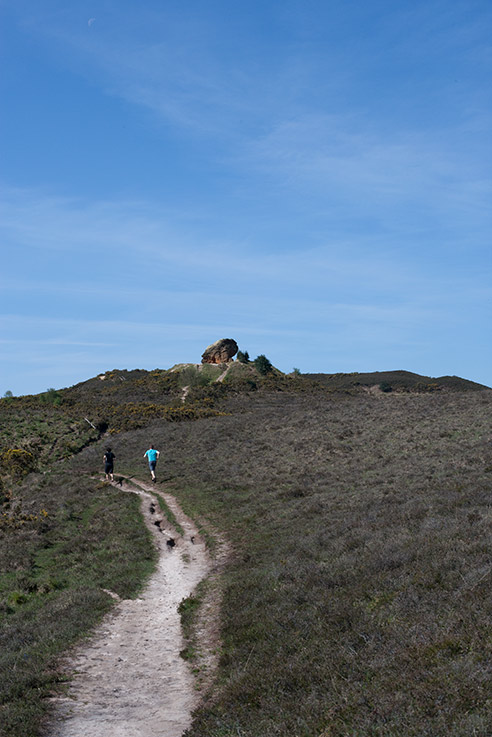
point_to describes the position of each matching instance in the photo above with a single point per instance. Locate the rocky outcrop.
(221, 351)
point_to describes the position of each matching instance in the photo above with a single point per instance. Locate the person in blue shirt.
(152, 455)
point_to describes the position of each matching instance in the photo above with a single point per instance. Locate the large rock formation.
(221, 351)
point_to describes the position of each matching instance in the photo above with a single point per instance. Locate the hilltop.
(397, 381)
(355, 599)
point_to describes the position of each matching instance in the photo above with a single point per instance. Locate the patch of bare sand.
(129, 680)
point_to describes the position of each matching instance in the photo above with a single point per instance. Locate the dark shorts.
(152, 465)
(108, 468)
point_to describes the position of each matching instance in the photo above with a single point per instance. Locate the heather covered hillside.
(355, 599)
(403, 381)
(233, 233)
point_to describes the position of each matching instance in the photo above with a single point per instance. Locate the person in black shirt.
(108, 459)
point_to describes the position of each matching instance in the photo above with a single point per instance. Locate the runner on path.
(108, 459)
(152, 455)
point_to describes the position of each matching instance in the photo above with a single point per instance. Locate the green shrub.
(263, 365)
(51, 396)
(191, 376)
(243, 357)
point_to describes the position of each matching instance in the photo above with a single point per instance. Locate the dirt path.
(130, 681)
(221, 378)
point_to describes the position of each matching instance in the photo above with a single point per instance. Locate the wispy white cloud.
(166, 62)
(48, 221)
(266, 122)
(131, 234)
(358, 170)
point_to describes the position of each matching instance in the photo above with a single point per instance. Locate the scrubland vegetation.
(63, 541)
(356, 599)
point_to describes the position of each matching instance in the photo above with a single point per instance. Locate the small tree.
(51, 396)
(8, 396)
(263, 365)
(296, 371)
(243, 357)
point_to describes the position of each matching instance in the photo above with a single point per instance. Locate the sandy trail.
(130, 681)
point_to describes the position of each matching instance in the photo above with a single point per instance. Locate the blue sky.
(310, 178)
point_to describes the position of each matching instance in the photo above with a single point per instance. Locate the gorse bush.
(12, 516)
(131, 416)
(17, 462)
